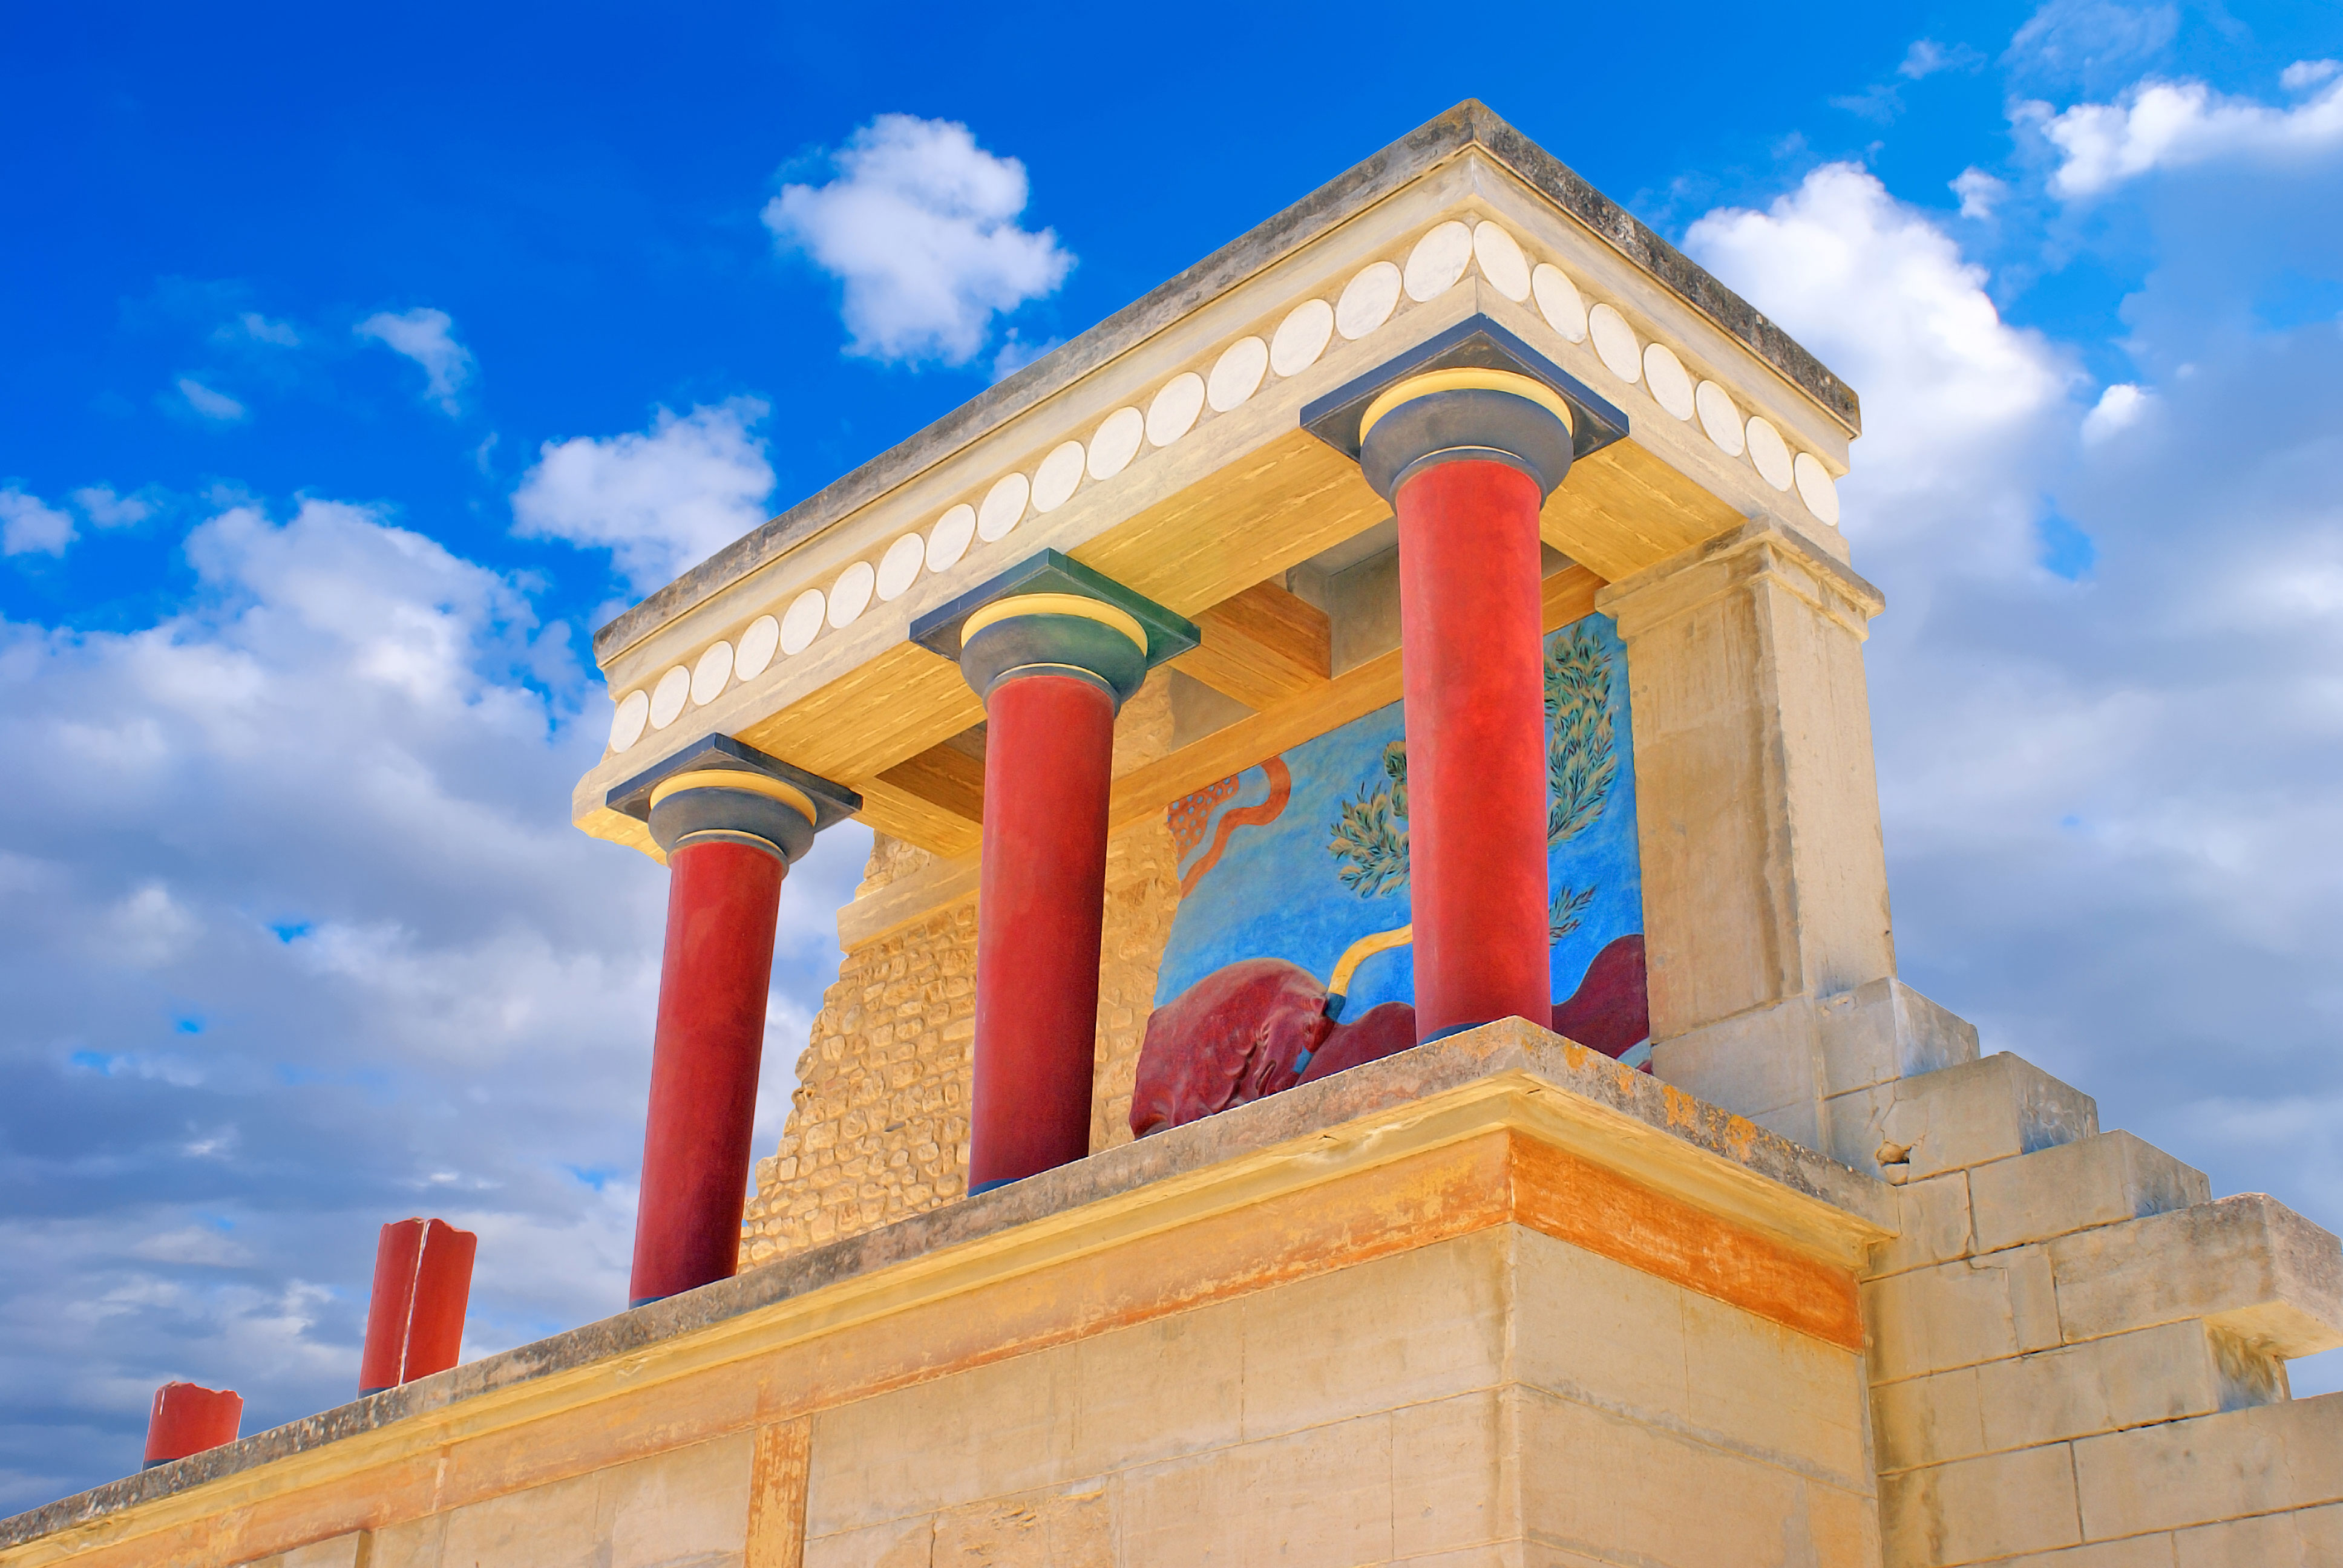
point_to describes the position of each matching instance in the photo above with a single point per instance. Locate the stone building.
(1420, 623)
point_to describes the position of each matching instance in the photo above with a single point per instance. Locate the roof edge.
(1468, 124)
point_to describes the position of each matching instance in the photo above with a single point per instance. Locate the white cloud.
(920, 227)
(2304, 75)
(304, 897)
(260, 329)
(28, 527)
(427, 337)
(1950, 391)
(2118, 408)
(2091, 43)
(1925, 57)
(211, 405)
(659, 500)
(2174, 124)
(1979, 192)
(101, 506)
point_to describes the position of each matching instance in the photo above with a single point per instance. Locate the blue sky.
(353, 367)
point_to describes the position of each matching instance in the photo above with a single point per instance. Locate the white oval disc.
(1766, 450)
(1173, 412)
(1367, 301)
(1236, 375)
(898, 568)
(712, 674)
(1664, 374)
(1302, 337)
(1502, 261)
(1720, 418)
(1615, 342)
(667, 697)
(1438, 260)
(1059, 473)
(756, 646)
(1558, 301)
(1116, 442)
(948, 540)
(801, 622)
(1003, 507)
(850, 594)
(1815, 487)
(627, 724)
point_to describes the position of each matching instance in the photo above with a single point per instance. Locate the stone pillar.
(1053, 649)
(1765, 881)
(1467, 456)
(731, 821)
(415, 1318)
(188, 1419)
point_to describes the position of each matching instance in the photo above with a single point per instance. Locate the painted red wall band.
(1048, 757)
(1473, 655)
(188, 1419)
(414, 1319)
(723, 898)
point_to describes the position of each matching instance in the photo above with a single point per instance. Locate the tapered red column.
(188, 1419)
(1049, 744)
(1054, 649)
(731, 821)
(1467, 457)
(414, 1319)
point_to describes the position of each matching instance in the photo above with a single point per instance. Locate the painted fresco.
(1295, 885)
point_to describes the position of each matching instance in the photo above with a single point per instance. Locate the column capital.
(719, 788)
(1051, 614)
(1474, 391)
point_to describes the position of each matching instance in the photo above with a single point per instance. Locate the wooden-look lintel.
(1262, 646)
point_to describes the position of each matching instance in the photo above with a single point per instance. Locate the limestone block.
(1419, 1325)
(993, 1431)
(1764, 1065)
(348, 1550)
(1934, 1225)
(1158, 1390)
(687, 1503)
(1990, 1109)
(1059, 1531)
(1452, 1475)
(1320, 1498)
(1974, 1510)
(1884, 1031)
(2156, 1375)
(2139, 1552)
(410, 1544)
(1960, 1313)
(2247, 1264)
(2302, 1538)
(2215, 1467)
(550, 1526)
(1603, 1488)
(1601, 1334)
(1927, 1421)
(2100, 1181)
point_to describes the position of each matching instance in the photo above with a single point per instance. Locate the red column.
(723, 898)
(414, 1319)
(1048, 757)
(188, 1419)
(1471, 650)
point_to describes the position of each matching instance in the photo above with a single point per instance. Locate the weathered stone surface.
(1995, 1109)
(2247, 1264)
(2099, 1181)
(1886, 1030)
(2217, 1467)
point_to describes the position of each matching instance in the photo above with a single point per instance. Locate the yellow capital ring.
(1467, 378)
(732, 778)
(1105, 614)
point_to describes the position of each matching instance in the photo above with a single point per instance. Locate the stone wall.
(877, 1127)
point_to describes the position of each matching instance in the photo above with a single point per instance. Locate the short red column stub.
(1471, 650)
(1048, 764)
(723, 900)
(188, 1419)
(415, 1318)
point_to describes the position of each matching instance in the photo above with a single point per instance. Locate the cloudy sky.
(353, 368)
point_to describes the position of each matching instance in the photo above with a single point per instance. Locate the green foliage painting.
(1369, 835)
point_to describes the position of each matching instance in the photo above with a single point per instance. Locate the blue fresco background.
(1277, 891)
